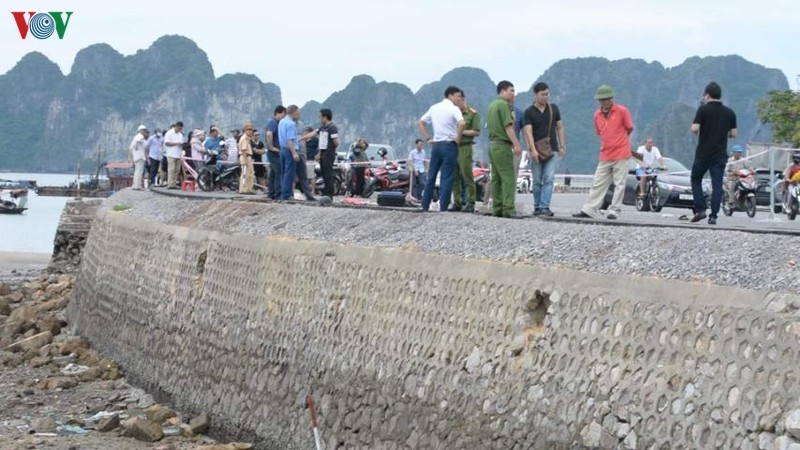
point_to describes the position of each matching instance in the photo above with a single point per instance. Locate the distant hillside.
(60, 120)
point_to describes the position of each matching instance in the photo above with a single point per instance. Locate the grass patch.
(121, 207)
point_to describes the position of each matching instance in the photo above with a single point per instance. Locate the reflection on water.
(34, 230)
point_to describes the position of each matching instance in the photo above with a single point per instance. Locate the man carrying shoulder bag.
(541, 125)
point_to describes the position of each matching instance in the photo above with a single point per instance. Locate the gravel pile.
(731, 258)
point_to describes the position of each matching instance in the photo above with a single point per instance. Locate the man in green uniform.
(503, 147)
(472, 129)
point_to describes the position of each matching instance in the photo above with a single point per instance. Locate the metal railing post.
(771, 183)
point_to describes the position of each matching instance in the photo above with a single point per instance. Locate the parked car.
(765, 184)
(675, 189)
(371, 153)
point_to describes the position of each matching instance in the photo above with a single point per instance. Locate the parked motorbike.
(388, 177)
(524, 181)
(339, 177)
(791, 204)
(481, 177)
(212, 176)
(744, 195)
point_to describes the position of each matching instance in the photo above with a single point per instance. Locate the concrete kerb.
(602, 222)
(690, 226)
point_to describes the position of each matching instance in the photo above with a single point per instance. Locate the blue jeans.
(717, 170)
(542, 175)
(288, 165)
(274, 180)
(444, 157)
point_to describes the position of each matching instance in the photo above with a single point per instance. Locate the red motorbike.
(481, 177)
(390, 176)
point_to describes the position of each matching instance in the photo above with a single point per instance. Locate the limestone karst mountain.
(51, 121)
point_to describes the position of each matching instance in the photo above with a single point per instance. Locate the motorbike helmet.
(737, 149)
(382, 152)
(796, 158)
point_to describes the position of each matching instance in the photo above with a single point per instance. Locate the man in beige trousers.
(613, 123)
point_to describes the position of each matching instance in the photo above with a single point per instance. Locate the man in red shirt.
(613, 124)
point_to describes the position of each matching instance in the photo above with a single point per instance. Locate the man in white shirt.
(173, 142)
(448, 124)
(650, 156)
(233, 146)
(137, 153)
(417, 160)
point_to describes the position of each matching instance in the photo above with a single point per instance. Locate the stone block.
(143, 430)
(792, 423)
(34, 342)
(108, 424)
(200, 424)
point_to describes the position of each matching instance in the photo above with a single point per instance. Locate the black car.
(675, 189)
(765, 187)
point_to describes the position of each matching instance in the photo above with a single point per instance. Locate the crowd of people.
(279, 164)
(544, 133)
(286, 149)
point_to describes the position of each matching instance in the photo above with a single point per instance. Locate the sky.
(313, 48)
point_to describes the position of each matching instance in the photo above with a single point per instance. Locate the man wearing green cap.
(503, 147)
(613, 123)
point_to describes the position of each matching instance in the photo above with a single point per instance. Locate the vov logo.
(42, 25)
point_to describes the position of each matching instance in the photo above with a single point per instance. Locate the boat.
(119, 175)
(17, 184)
(15, 202)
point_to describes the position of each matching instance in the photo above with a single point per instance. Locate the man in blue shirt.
(287, 138)
(214, 144)
(155, 153)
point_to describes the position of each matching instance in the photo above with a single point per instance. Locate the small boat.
(119, 175)
(17, 184)
(15, 203)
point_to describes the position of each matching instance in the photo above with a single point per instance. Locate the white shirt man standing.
(417, 160)
(173, 142)
(448, 124)
(137, 153)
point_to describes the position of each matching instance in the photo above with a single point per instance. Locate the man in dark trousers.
(714, 123)
(274, 153)
(447, 122)
(328, 141)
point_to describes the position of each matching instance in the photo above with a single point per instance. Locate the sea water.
(34, 230)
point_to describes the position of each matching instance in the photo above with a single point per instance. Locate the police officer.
(463, 177)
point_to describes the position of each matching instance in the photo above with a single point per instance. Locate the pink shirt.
(614, 130)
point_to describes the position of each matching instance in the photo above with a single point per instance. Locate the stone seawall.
(73, 230)
(407, 350)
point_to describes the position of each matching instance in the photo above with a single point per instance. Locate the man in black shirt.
(328, 142)
(259, 169)
(274, 153)
(540, 121)
(715, 123)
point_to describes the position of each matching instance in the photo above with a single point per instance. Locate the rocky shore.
(56, 391)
